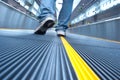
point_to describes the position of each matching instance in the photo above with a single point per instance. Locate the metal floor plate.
(27, 56)
(102, 56)
(34, 57)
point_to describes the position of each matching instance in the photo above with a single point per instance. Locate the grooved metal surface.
(25, 56)
(102, 56)
(83, 71)
(34, 57)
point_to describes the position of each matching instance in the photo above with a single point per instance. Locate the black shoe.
(48, 22)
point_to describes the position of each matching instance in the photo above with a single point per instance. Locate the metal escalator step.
(37, 57)
(33, 57)
(83, 71)
(102, 57)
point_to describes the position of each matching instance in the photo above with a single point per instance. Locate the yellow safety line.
(14, 29)
(83, 71)
(108, 40)
(103, 39)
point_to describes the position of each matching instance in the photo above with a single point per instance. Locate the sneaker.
(61, 33)
(48, 22)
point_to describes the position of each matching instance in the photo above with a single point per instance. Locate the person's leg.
(47, 7)
(47, 16)
(64, 15)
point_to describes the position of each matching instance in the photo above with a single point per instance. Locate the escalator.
(26, 56)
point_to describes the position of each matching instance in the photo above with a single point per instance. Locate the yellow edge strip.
(14, 29)
(108, 40)
(83, 71)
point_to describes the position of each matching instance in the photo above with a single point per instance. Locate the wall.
(99, 16)
(12, 18)
(109, 29)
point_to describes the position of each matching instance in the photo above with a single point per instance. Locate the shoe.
(61, 33)
(48, 22)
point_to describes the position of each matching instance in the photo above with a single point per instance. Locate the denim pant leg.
(47, 8)
(64, 15)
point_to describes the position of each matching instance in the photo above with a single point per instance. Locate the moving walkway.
(26, 56)
(82, 55)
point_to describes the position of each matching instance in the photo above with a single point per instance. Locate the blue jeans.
(48, 7)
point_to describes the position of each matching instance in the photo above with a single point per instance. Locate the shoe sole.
(61, 35)
(42, 30)
(58, 34)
